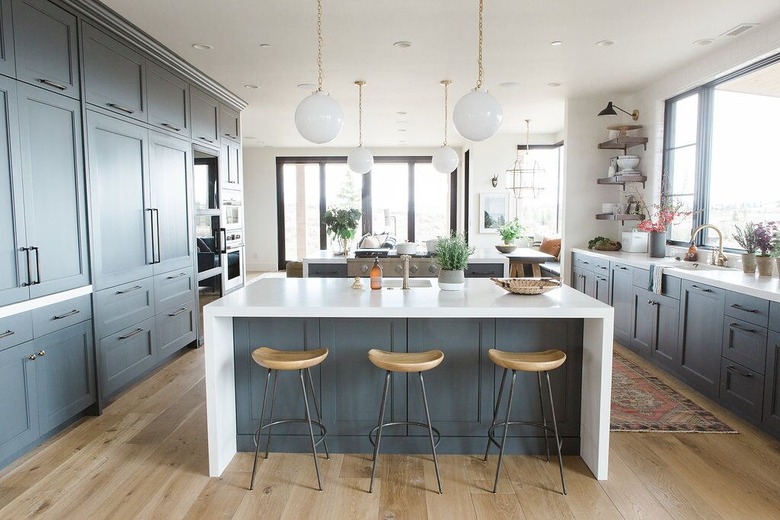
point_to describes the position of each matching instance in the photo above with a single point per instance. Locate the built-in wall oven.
(233, 209)
(233, 267)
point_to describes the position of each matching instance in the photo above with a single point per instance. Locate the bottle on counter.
(376, 275)
(692, 255)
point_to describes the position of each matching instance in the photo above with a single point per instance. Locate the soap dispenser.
(692, 255)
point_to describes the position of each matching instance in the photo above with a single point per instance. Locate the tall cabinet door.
(230, 155)
(119, 188)
(170, 167)
(7, 66)
(13, 268)
(55, 205)
(19, 404)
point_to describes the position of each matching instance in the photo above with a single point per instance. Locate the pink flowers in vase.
(659, 216)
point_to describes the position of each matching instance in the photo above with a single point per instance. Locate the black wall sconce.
(610, 111)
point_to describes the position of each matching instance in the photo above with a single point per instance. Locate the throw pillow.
(551, 246)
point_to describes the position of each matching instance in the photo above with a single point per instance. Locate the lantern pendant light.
(318, 117)
(477, 115)
(360, 160)
(445, 159)
(523, 177)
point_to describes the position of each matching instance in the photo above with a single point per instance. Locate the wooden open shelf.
(624, 143)
(620, 180)
(611, 216)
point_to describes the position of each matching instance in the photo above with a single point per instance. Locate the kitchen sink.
(397, 283)
(697, 266)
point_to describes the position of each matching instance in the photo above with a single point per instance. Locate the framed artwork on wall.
(493, 211)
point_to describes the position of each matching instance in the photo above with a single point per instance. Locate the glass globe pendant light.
(318, 117)
(360, 160)
(445, 159)
(477, 115)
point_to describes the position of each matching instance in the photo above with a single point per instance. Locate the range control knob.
(432, 269)
(399, 269)
(413, 269)
(364, 268)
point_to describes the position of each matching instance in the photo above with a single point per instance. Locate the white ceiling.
(652, 38)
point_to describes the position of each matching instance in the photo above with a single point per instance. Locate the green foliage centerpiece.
(342, 223)
(452, 256)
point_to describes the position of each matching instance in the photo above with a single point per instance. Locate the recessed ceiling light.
(402, 129)
(264, 45)
(605, 43)
(554, 84)
(401, 113)
(556, 43)
(307, 86)
(251, 86)
(403, 44)
(509, 84)
(704, 41)
(202, 46)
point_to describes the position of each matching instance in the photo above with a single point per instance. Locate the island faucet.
(720, 260)
(405, 259)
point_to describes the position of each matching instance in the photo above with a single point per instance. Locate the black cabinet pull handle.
(131, 289)
(586, 263)
(704, 289)
(732, 368)
(223, 233)
(171, 127)
(7, 333)
(29, 281)
(740, 327)
(157, 227)
(317, 271)
(130, 335)
(62, 316)
(171, 277)
(151, 232)
(176, 313)
(121, 108)
(231, 136)
(51, 83)
(741, 308)
(37, 265)
(205, 139)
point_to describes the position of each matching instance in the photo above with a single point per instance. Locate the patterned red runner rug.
(643, 403)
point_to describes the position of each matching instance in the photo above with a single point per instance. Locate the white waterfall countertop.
(333, 297)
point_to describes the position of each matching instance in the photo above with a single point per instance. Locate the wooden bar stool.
(525, 362)
(300, 360)
(404, 362)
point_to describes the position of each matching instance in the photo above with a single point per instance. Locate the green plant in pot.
(746, 238)
(509, 233)
(764, 234)
(342, 223)
(452, 257)
(776, 249)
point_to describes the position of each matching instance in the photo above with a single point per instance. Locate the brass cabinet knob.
(31, 357)
(41, 353)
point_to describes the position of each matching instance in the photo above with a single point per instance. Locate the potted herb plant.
(342, 224)
(746, 238)
(509, 232)
(452, 256)
(776, 249)
(764, 234)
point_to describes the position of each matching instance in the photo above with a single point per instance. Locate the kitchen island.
(309, 313)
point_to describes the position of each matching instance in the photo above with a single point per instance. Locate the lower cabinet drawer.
(327, 270)
(127, 354)
(119, 307)
(15, 329)
(741, 390)
(174, 288)
(485, 271)
(60, 315)
(744, 343)
(175, 329)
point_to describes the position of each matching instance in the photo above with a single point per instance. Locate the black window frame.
(366, 203)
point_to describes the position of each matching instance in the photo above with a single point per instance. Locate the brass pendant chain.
(319, 45)
(527, 139)
(360, 111)
(446, 83)
(479, 54)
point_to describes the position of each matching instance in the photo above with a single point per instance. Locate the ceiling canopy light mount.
(318, 117)
(445, 159)
(360, 160)
(477, 115)
(610, 111)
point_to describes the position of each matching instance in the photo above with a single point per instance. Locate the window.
(401, 195)
(718, 143)
(540, 215)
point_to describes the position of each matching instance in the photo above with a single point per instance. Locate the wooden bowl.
(506, 248)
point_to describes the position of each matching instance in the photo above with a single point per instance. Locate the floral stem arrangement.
(452, 253)
(746, 237)
(510, 231)
(342, 224)
(658, 216)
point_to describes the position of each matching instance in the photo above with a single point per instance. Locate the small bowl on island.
(506, 248)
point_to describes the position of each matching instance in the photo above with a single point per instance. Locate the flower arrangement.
(510, 231)
(659, 216)
(746, 237)
(764, 235)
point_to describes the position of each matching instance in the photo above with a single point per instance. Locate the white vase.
(452, 280)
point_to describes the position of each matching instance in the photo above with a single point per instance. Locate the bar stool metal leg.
(544, 417)
(311, 430)
(259, 432)
(317, 410)
(271, 417)
(495, 411)
(555, 429)
(379, 432)
(430, 432)
(506, 429)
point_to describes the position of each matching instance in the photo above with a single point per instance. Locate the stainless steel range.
(392, 267)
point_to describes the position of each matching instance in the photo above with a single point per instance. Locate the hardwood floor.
(146, 458)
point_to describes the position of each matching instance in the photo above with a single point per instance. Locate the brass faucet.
(405, 259)
(720, 260)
